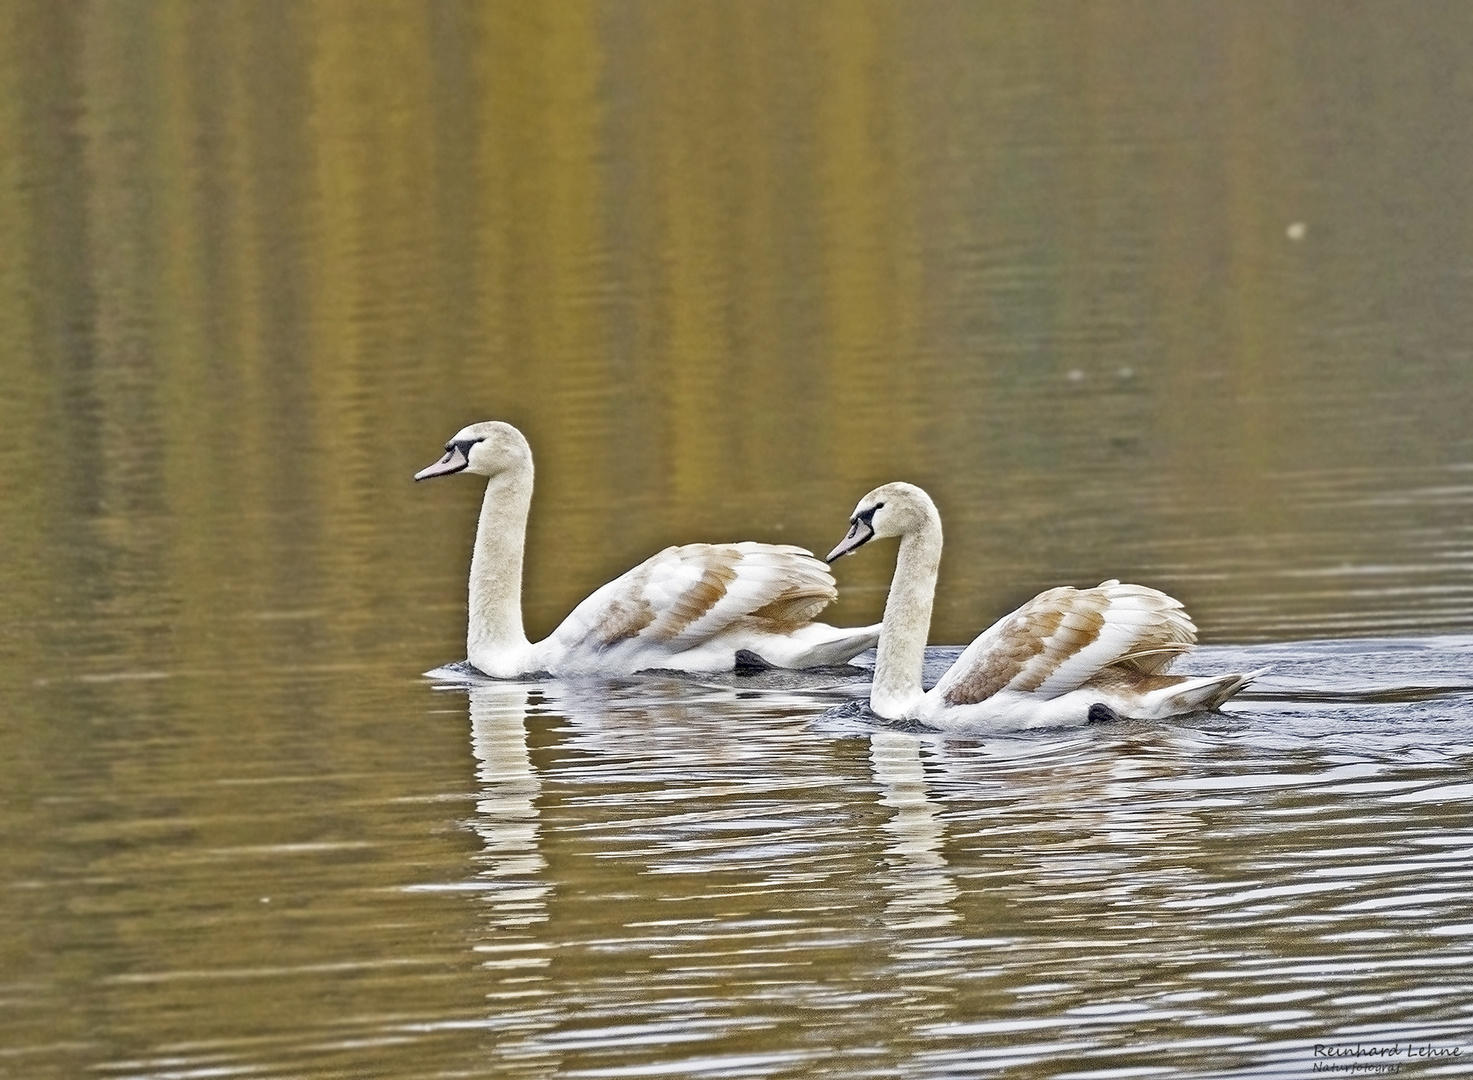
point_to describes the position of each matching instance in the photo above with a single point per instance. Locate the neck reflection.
(507, 818)
(921, 888)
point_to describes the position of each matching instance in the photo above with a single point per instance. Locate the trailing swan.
(688, 608)
(1066, 657)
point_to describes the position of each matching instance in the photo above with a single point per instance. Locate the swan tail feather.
(1205, 694)
(818, 645)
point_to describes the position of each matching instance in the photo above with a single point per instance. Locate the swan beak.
(860, 532)
(453, 461)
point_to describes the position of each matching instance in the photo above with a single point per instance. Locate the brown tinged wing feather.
(1155, 660)
(1136, 629)
(718, 571)
(1019, 638)
(625, 615)
(796, 607)
(806, 588)
(697, 590)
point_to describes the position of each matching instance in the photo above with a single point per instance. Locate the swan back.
(1064, 638)
(686, 595)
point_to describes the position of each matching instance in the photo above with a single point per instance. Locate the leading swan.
(689, 608)
(1066, 657)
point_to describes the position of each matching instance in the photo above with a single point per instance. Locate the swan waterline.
(692, 607)
(1067, 657)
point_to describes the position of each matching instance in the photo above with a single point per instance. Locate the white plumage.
(1065, 657)
(687, 608)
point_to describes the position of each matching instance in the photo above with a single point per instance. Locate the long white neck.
(495, 641)
(896, 692)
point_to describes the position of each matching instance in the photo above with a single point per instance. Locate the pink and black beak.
(861, 531)
(457, 457)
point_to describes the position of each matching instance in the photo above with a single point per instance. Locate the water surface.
(1174, 293)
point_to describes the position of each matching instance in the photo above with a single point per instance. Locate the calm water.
(1178, 293)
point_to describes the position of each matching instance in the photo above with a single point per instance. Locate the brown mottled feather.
(1029, 628)
(624, 619)
(795, 588)
(797, 606)
(1056, 625)
(1156, 660)
(621, 620)
(719, 572)
(1046, 627)
(1126, 679)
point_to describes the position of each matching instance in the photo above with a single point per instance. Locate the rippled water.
(664, 876)
(1209, 896)
(1174, 293)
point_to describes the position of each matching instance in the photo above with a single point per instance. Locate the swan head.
(486, 449)
(890, 510)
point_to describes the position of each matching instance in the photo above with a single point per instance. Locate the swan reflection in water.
(506, 817)
(920, 886)
(679, 767)
(914, 884)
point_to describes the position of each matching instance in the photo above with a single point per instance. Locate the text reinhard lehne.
(1379, 1058)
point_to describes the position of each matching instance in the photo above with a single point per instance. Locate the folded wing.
(683, 596)
(1066, 637)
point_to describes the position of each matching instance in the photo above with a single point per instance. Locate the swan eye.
(868, 516)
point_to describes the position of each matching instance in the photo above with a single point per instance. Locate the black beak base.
(454, 461)
(860, 533)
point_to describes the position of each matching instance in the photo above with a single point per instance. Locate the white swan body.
(1066, 657)
(688, 608)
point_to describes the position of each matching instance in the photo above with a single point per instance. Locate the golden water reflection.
(1175, 293)
(1039, 262)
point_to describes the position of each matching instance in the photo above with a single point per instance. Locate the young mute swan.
(1067, 657)
(688, 608)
